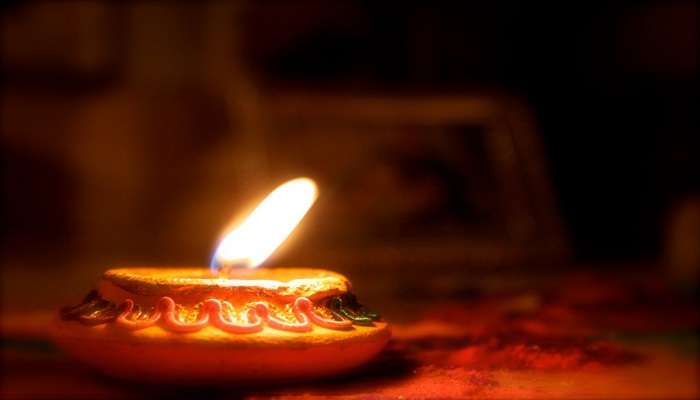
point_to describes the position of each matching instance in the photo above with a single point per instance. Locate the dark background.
(130, 95)
(613, 86)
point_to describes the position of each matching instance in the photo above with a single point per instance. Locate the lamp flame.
(252, 242)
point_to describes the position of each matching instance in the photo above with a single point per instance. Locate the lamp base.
(207, 357)
(189, 326)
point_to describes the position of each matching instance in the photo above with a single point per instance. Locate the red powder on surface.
(514, 357)
(522, 356)
(434, 382)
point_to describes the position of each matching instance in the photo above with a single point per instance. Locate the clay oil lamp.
(232, 322)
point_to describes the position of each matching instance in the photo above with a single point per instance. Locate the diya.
(231, 323)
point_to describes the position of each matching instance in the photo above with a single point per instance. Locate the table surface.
(589, 337)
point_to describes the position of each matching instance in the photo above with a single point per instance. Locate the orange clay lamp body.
(194, 325)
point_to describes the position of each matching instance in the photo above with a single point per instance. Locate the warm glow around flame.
(250, 243)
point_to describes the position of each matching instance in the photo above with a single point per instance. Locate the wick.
(232, 269)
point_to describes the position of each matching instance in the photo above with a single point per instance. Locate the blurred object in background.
(682, 251)
(419, 180)
(61, 44)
